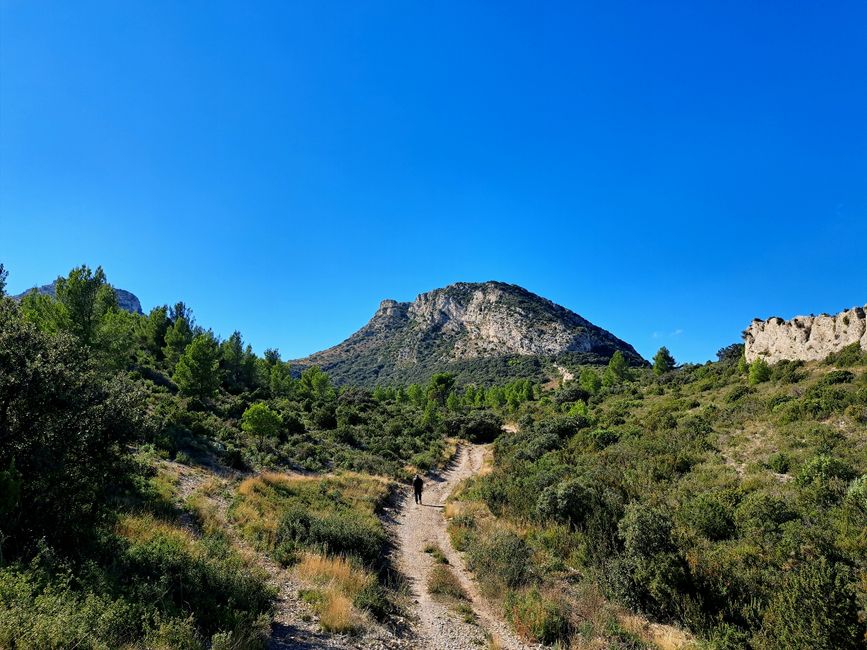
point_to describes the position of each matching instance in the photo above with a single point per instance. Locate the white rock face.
(488, 325)
(459, 323)
(808, 338)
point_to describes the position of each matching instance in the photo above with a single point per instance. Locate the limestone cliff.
(808, 338)
(463, 325)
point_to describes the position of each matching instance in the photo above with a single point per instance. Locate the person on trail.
(417, 485)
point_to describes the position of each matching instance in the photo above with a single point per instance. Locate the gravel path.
(418, 526)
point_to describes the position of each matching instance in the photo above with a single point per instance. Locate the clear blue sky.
(668, 170)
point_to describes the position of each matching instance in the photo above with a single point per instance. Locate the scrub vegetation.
(150, 472)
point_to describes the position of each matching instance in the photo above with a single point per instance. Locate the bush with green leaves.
(65, 431)
(813, 608)
(539, 617)
(500, 560)
(851, 355)
(337, 533)
(760, 372)
(708, 515)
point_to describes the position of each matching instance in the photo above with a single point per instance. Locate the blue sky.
(668, 170)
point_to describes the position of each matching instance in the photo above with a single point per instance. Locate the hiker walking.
(417, 485)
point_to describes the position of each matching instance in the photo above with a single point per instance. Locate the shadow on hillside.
(284, 637)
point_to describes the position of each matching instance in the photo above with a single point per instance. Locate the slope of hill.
(477, 330)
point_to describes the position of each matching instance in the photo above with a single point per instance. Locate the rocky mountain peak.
(459, 324)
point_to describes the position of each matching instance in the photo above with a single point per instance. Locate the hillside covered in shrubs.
(726, 498)
(155, 479)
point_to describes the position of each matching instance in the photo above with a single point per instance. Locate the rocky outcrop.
(461, 323)
(808, 338)
(125, 299)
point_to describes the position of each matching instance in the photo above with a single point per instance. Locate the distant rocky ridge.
(125, 299)
(808, 338)
(467, 328)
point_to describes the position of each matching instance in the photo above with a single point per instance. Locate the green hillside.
(159, 487)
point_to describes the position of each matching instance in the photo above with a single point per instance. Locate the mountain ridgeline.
(482, 332)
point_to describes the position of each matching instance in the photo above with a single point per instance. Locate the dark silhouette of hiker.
(417, 485)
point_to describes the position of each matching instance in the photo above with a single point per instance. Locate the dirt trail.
(418, 526)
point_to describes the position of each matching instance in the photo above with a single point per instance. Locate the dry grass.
(337, 583)
(333, 572)
(207, 511)
(144, 528)
(338, 615)
(664, 637)
(165, 483)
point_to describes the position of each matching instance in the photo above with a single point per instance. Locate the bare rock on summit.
(125, 299)
(808, 338)
(460, 326)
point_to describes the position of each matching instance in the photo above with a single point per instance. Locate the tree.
(760, 371)
(617, 370)
(3, 275)
(730, 354)
(154, 328)
(232, 362)
(261, 421)
(415, 394)
(65, 430)
(431, 417)
(197, 371)
(280, 380)
(439, 387)
(44, 312)
(589, 380)
(116, 337)
(178, 336)
(86, 298)
(663, 362)
(314, 382)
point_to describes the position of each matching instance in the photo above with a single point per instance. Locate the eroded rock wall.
(808, 338)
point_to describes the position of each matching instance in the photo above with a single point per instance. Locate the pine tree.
(86, 298)
(617, 370)
(196, 373)
(177, 338)
(663, 362)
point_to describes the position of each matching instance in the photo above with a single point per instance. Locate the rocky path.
(418, 526)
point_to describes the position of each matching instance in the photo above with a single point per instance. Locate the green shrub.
(837, 377)
(340, 533)
(648, 575)
(779, 462)
(537, 617)
(851, 355)
(569, 502)
(857, 492)
(814, 608)
(760, 513)
(40, 615)
(709, 516)
(737, 393)
(374, 599)
(760, 372)
(501, 559)
(788, 372)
